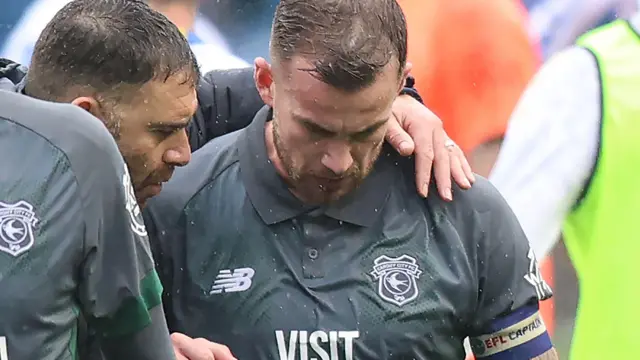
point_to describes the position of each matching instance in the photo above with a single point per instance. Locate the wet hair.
(107, 47)
(349, 42)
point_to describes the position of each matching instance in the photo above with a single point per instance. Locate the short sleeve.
(510, 285)
(163, 217)
(162, 254)
(119, 285)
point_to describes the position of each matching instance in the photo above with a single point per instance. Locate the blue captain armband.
(519, 335)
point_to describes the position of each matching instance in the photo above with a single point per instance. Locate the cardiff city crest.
(135, 215)
(396, 278)
(16, 227)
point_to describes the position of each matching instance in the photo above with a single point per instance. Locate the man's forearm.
(549, 355)
(228, 101)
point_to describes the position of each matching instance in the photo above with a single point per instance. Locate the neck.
(182, 14)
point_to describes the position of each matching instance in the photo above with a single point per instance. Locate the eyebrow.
(319, 128)
(177, 125)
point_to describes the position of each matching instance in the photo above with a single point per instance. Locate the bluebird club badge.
(137, 224)
(396, 278)
(16, 227)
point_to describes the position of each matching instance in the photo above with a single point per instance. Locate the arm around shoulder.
(228, 101)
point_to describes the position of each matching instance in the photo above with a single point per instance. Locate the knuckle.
(395, 137)
(202, 341)
(429, 154)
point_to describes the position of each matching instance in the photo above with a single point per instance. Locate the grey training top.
(381, 274)
(72, 239)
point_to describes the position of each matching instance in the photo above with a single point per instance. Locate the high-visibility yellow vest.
(602, 234)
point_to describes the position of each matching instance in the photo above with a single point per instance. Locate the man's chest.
(286, 292)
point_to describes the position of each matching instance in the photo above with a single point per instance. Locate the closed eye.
(168, 129)
(319, 131)
(365, 134)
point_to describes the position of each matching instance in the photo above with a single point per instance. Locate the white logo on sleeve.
(232, 281)
(16, 227)
(316, 345)
(137, 224)
(534, 277)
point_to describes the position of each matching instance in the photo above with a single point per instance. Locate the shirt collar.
(274, 202)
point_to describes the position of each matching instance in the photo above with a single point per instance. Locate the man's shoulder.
(207, 164)
(61, 159)
(83, 139)
(480, 198)
(216, 84)
(11, 74)
(470, 212)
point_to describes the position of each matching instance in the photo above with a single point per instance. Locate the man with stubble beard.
(302, 237)
(143, 87)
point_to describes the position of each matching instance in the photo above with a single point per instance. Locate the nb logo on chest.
(229, 281)
(317, 345)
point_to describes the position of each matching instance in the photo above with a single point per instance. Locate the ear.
(405, 73)
(90, 105)
(263, 77)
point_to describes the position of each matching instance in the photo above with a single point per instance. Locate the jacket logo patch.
(135, 215)
(16, 227)
(396, 278)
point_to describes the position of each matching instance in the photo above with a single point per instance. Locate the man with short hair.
(146, 94)
(72, 240)
(302, 236)
(142, 86)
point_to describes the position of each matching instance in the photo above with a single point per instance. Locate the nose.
(338, 158)
(179, 151)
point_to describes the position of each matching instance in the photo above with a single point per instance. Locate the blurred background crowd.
(459, 49)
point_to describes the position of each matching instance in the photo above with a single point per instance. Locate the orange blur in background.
(472, 61)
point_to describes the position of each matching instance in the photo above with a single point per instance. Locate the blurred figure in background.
(569, 163)
(558, 23)
(245, 24)
(472, 60)
(11, 12)
(207, 43)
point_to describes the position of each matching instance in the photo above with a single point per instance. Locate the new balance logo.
(534, 277)
(228, 281)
